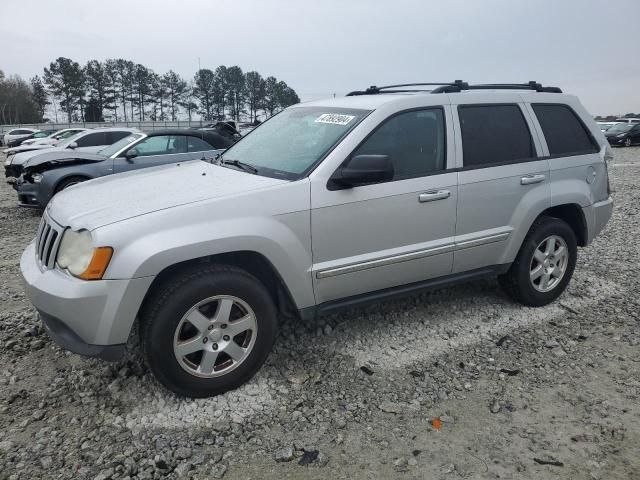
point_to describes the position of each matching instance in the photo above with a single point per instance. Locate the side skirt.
(333, 306)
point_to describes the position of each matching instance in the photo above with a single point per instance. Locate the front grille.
(47, 242)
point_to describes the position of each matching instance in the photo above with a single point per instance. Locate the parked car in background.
(18, 133)
(49, 173)
(46, 142)
(628, 120)
(623, 134)
(604, 126)
(89, 141)
(40, 134)
(324, 206)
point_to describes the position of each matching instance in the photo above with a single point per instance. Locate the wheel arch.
(573, 215)
(250, 261)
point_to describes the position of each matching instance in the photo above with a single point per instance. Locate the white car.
(46, 142)
(18, 133)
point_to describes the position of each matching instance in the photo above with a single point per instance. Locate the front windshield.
(292, 142)
(119, 145)
(620, 128)
(41, 134)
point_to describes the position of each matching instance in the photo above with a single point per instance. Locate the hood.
(54, 158)
(614, 134)
(26, 148)
(22, 157)
(119, 197)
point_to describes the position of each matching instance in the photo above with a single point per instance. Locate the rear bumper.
(597, 216)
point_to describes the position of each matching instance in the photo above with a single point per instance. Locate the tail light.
(608, 157)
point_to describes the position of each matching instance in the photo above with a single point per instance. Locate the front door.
(383, 235)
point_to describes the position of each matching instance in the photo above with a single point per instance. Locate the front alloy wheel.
(627, 142)
(215, 336)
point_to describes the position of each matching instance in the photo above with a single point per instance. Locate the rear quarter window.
(564, 131)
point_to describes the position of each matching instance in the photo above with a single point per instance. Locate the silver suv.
(328, 204)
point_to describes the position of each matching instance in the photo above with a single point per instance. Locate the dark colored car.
(623, 134)
(19, 141)
(51, 172)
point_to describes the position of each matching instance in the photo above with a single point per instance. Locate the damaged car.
(51, 172)
(87, 141)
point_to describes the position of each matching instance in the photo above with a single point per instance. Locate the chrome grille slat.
(47, 242)
(43, 241)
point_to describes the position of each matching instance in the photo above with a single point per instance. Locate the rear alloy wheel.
(544, 265)
(627, 142)
(207, 330)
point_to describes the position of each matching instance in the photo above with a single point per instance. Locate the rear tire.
(207, 330)
(544, 265)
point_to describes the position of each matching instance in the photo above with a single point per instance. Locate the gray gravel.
(458, 383)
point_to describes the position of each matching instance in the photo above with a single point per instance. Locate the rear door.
(153, 151)
(503, 181)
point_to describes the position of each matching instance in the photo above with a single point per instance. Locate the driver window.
(414, 142)
(161, 145)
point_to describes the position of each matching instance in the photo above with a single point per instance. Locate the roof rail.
(372, 90)
(454, 87)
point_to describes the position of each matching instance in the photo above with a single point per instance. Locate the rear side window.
(92, 140)
(564, 131)
(195, 144)
(494, 134)
(414, 142)
(113, 137)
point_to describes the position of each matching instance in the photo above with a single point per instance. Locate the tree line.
(122, 90)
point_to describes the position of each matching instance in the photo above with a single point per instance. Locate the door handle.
(434, 195)
(531, 179)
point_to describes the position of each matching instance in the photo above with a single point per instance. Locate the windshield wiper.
(241, 165)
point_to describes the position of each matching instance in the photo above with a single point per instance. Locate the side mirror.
(132, 153)
(362, 170)
(72, 145)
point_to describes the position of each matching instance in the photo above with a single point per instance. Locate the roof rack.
(454, 87)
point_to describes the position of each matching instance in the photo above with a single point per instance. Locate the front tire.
(207, 330)
(544, 265)
(627, 142)
(69, 182)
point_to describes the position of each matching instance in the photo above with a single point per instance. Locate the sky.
(590, 48)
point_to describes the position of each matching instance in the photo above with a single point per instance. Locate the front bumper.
(92, 318)
(28, 194)
(615, 141)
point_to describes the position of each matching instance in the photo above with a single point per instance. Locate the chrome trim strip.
(476, 242)
(405, 257)
(381, 262)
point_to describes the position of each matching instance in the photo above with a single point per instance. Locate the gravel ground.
(458, 383)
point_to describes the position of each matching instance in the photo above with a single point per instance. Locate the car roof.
(112, 129)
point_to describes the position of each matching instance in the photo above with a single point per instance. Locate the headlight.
(80, 257)
(621, 135)
(36, 177)
(8, 161)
